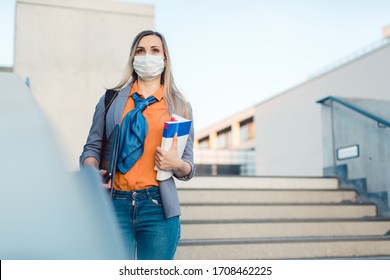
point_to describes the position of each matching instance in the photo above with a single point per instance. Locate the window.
(247, 129)
(204, 143)
(224, 138)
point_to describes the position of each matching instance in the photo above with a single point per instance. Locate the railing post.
(333, 137)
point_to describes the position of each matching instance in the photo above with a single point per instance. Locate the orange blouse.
(142, 175)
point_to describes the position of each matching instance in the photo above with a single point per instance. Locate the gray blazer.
(93, 147)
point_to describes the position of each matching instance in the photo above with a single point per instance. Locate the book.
(182, 127)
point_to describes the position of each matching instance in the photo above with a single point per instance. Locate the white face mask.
(148, 67)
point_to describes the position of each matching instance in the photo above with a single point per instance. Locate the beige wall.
(288, 127)
(232, 122)
(71, 50)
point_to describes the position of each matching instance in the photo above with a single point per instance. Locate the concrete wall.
(288, 126)
(71, 50)
(45, 213)
(343, 127)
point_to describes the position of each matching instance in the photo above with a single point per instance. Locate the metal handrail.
(356, 109)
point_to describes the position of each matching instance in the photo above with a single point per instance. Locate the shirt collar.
(159, 94)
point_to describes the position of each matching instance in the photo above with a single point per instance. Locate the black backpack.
(109, 97)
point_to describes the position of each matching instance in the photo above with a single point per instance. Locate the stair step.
(284, 228)
(237, 182)
(277, 218)
(276, 211)
(265, 196)
(283, 248)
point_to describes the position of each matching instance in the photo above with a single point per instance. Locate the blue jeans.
(147, 234)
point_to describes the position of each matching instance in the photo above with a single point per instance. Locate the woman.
(149, 222)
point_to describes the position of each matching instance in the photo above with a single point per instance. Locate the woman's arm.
(170, 160)
(93, 146)
(184, 167)
(91, 161)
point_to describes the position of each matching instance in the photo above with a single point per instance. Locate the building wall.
(343, 127)
(232, 124)
(288, 126)
(71, 51)
(227, 147)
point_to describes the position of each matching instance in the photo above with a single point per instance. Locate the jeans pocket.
(155, 199)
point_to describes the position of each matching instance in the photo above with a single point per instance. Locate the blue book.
(182, 127)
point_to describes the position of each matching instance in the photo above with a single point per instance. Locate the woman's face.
(150, 44)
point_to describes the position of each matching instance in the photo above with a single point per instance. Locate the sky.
(230, 55)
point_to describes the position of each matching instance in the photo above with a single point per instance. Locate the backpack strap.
(109, 97)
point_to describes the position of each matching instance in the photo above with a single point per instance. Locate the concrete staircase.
(277, 218)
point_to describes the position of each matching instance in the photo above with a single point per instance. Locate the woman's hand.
(170, 160)
(92, 162)
(104, 185)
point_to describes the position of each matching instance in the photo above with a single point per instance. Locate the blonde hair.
(173, 97)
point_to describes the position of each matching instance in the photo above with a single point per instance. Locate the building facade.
(228, 147)
(291, 138)
(288, 127)
(69, 52)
